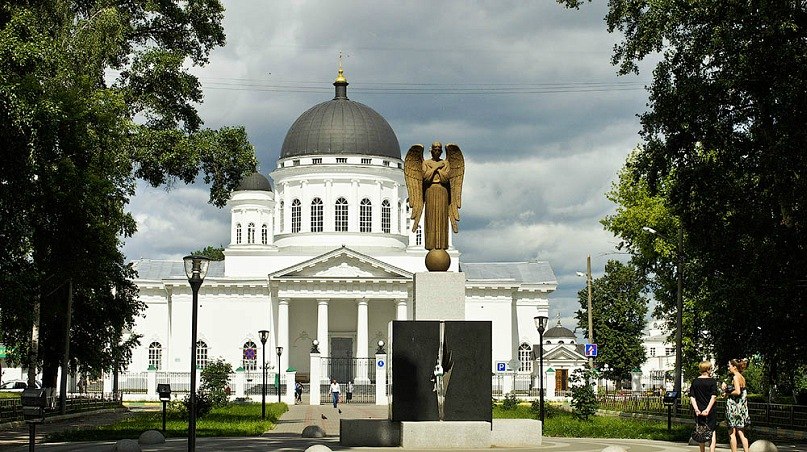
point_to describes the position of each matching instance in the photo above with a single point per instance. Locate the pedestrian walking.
(349, 391)
(298, 393)
(335, 392)
(702, 395)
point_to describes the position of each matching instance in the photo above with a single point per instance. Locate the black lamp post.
(279, 351)
(264, 336)
(679, 303)
(196, 270)
(540, 324)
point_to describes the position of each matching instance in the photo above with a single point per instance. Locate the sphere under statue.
(435, 184)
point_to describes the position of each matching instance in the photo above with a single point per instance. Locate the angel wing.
(457, 163)
(413, 171)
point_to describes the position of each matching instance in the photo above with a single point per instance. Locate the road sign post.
(591, 350)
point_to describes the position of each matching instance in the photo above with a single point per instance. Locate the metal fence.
(362, 393)
(11, 409)
(344, 370)
(792, 417)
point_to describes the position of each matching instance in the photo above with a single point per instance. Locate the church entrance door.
(341, 366)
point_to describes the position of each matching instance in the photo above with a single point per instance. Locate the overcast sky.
(525, 88)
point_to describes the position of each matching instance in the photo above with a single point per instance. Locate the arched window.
(155, 355)
(386, 217)
(264, 234)
(201, 354)
(282, 216)
(238, 233)
(316, 215)
(525, 358)
(251, 233)
(250, 356)
(340, 215)
(296, 213)
(419, 236)
(365, 216)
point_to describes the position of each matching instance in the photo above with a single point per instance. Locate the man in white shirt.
(335, 392)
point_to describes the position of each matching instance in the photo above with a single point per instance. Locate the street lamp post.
(605, 369)
(264, 336)
(590, 311)
(279, 351)
(196, 270)
(679, 304)
(540, 324)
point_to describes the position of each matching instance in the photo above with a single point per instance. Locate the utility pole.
(590, 314)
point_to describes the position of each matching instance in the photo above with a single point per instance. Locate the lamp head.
(540, 322)
(649, 229)
(264, 336)
(279, 350)
(380, 349)
(581, 274)
(315, 346)
(196, 267)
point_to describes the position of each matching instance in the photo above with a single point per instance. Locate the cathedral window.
(238, 233)
(295, 163)
(340, 215)
(281, 217)
(316, 161)
(365, 216)
(201, 354)
(525, 358)
(652, 351)
(155, 355)
(386, 221)
(251, 233)
(386, 163)
(250, 356)
(366, 161)
(316, 215)
(296, 214)
(264, 234)
(419, 236)
(341, 159)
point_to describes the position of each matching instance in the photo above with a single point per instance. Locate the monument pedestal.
(439, 296)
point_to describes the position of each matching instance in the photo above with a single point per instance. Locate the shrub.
(584, 401)
(215, 381)
(204, 403)
(510, 402)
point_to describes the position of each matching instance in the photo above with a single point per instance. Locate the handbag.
(702, 432)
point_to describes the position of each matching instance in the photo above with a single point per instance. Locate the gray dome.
(255, 181)
(341, 126)
(558, 331)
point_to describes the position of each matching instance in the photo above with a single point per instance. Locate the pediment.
(342, 263)
(563, 354)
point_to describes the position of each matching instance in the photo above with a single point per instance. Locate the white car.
(17, 386)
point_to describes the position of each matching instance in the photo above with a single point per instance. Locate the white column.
(328, 208)
(376, 220)
(381, 379)
(353, 207)
(151, 384)
(240, 382)
(362, 346)
(305, 199)
(322, 327)
(401, 309)
(549, 383)
(315, 378)
(282, 335)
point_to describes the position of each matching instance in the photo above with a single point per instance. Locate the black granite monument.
(463, 374)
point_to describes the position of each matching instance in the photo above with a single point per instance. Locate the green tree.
(723, 143)
(215, 254)
(619, 308)
(95, 95)
(215, 381)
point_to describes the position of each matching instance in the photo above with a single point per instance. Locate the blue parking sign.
(591, 350)
(501, 366)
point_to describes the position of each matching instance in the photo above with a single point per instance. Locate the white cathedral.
(322, 250)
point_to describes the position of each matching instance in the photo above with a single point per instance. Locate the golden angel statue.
(437, 184)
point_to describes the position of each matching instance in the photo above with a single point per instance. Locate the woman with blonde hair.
(737, 404)
(702, 395)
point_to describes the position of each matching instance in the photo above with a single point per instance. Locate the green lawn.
(233, 420)
(10, 395)
(559, 423)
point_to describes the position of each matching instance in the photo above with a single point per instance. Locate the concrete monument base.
(440, 435)
(439, 296)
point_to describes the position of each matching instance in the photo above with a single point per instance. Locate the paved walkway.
(286, 435)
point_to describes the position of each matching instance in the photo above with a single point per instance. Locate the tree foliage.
(584, 400)
(723, 144)
(214, 253)
(94, 95)
(618, 314)
(215, 380)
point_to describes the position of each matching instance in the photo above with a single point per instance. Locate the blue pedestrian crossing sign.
(591, 350)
